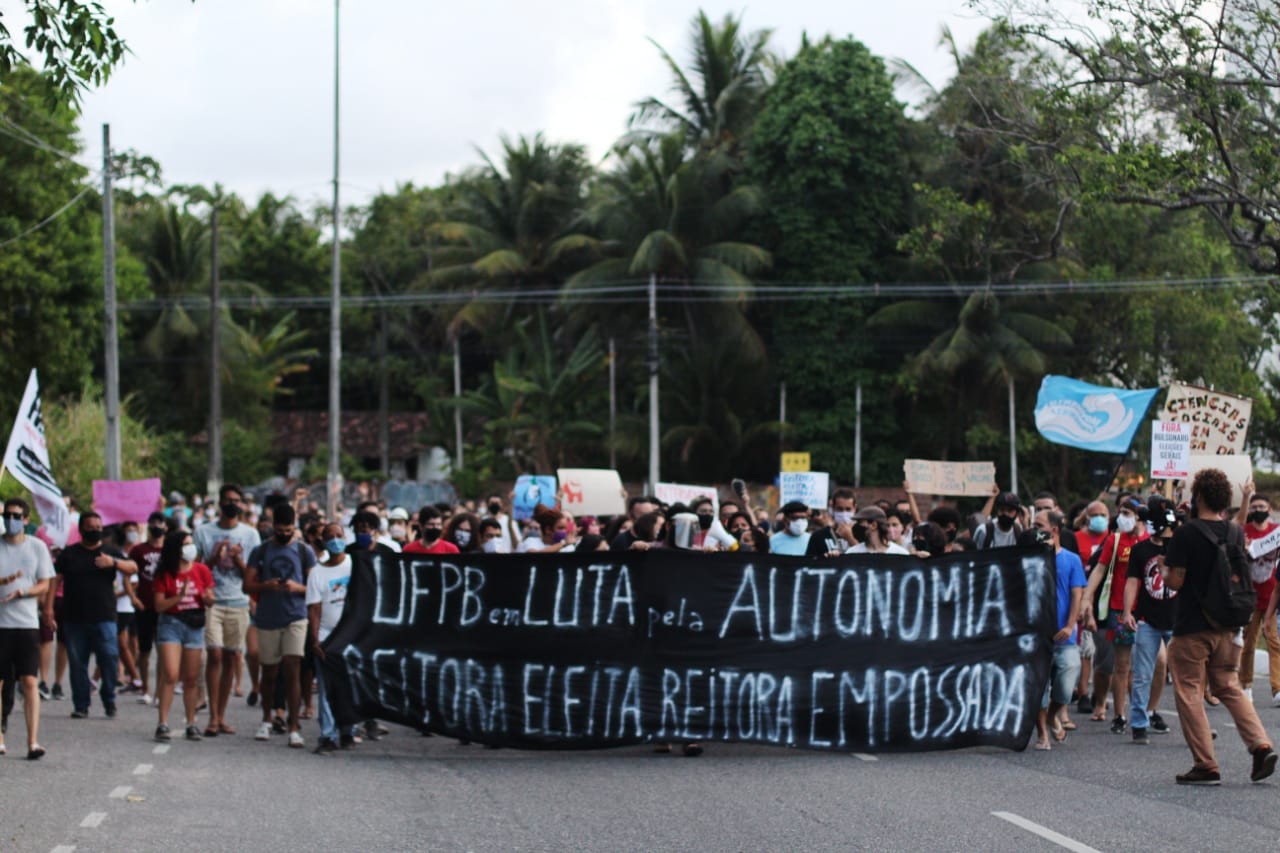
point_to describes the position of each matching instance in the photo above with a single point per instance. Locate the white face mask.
(13, 526)
(463, 537)
(189, 553)
(131, 537)
(842, 516)
(1125, 523)
(398, 531)
(798, 526)
(491, 546)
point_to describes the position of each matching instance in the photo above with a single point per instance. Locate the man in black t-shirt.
(88, 569)
(1198, 646)
(1149, 611)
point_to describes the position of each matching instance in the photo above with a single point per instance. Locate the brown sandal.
(224, 729)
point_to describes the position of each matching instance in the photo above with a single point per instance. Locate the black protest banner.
(577, 651)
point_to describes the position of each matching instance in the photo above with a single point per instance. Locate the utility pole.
(334, 480)
(110, 333)
(653, 383)
(857, 435)
(215, 361)
(1013, 443)
(782, 417)
(457, 409)
(613, 405)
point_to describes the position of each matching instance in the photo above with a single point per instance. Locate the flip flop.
(1059, 733)
(1213, 700)
(1042, 746)
(1069, 726)
(224, 729)
(212, 731)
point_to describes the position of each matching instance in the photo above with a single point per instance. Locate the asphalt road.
(104, 786)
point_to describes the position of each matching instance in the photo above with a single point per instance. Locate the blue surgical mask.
(335, 546)
(364, 540)
(1097, 524)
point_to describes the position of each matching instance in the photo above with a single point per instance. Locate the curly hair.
(1212, 489)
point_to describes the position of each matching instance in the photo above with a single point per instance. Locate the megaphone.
(722, 537)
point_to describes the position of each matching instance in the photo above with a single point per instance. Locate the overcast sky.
(240, 91)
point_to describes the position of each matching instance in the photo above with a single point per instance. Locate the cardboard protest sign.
(1219, 422)
(1265, 545)
(672, 493)
(530, 491)
(930, 477)
(586, 651)
(591, 491)
(1238, 468)
(126, 500)
(808, 487)
(1170, 450)
(795, 462)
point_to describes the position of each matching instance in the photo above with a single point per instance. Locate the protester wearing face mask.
(1092, 529)
(793, 540)
(554, 532)
(490, 536)
(326, 597)
(1002, 530)
(1255, 518)
(461, 531)
(1103, 607)
(495, 506)
(398, 527)
(1149, 609)
(928, 540)
(146, 556)
(183, 591)
(872, 531)
(837, 537)
(365, 525)
(430, 534)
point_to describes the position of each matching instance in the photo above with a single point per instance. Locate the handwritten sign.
(1264, 545)
(591, 491)
(1238, 468)
(795, 462)
(530, 491)
(583, 651)
(673, 493)
(1219, 422)
(126, 500)
(1170, 450)
(930, 477)
(808, 487)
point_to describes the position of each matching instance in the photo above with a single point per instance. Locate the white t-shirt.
(531, 545)
(124, 604)
(327, 586)
(894, 548)
(31, 562)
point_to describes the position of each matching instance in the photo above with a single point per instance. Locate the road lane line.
(64, 848)
(93, 820)
(120, 793)
(142, 770)
(862, 756)
(1045, 833)
(161, 749)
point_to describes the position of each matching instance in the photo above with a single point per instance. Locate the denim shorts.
(1063, 675)
(170, 629)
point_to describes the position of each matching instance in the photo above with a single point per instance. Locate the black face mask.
(920, 544)
(230, 510)
(431, 534)
(1260, 517)
(91, 537)
(704, 521)
(284, 538)
(495, 508)
(156, 532)
(1005, 522)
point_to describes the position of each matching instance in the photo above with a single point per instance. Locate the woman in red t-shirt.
(183, 589)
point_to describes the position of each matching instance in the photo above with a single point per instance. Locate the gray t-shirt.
(228, 583)
(30, 560)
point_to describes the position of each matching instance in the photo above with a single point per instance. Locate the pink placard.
(126, 500)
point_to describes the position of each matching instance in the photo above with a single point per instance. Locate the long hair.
(171, 552)
(450, 534)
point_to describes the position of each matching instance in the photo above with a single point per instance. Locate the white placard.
(808, 487)
(1260, 547)
(1219, 422)
(1170, 450)
(673, 493)
(591, 491)
(1237, 467)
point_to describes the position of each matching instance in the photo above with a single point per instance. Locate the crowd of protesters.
(234, 597)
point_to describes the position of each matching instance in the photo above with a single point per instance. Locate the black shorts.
(124, 621)
(58, 611)
(145, 627)
(20, 651)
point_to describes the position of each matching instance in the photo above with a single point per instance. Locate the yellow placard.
(793, 463)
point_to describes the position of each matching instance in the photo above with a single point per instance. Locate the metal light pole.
(214, 482)
(653, 383)
(109, 332)
(1013, 443)
(334, 481)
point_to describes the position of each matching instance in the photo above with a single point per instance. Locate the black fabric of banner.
(580, 651)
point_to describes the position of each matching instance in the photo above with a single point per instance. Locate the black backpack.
(1229, 598)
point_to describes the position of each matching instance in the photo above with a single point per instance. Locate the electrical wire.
(42, 223)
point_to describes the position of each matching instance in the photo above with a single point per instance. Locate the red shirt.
(201, 580)
(437, 547)
(147, 557)
(1126, 543)
(1264, 566)
(1087, 542)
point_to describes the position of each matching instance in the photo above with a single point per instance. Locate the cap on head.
(398, 513)
(871, 513)
(1008, 500)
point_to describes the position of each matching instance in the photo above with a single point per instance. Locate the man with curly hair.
(1200, 648)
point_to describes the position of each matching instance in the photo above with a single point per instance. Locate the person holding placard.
(871, 529)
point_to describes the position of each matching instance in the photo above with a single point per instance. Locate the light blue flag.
(1090, 417)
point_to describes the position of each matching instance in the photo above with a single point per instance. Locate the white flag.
(27, 458)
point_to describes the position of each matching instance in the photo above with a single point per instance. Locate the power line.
(42, 223)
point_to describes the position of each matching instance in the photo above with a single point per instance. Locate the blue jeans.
(100, 639)
(1146, 647)
(1064, 674)
(324, 714)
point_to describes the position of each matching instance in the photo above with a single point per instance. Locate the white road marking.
(862, 756)
(1045, 833)
(1169, 713)
(93, 819)
(120, 793)
(142, 770)
(161, 749)
(64, 848)
(1231, 725)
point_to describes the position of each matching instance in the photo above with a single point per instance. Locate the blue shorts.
(173, 631)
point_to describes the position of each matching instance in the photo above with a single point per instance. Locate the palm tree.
(717, 99)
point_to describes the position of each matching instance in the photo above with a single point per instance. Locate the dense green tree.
(74, 41)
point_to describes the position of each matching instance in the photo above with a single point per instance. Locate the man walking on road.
(25, 571)
(1201, 649)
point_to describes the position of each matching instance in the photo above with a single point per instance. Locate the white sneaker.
(296, 741)
(1248, 693)
(1275, 700)
(177, 689)
(264, 732)
(144, 699)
